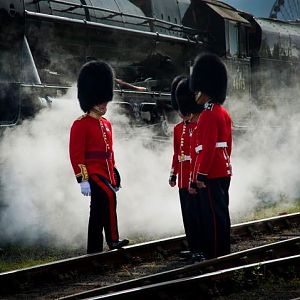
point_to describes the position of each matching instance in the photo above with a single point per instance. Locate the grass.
(268, 210)
(21, 256)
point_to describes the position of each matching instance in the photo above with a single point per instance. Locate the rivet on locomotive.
(44, 43)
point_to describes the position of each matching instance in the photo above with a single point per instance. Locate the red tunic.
(211, 144)
(91, 148)
(181, 158)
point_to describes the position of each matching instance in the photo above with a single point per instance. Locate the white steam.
(266, 155)
(41, 201)
(40, 196)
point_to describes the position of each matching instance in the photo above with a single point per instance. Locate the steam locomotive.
(44, 43)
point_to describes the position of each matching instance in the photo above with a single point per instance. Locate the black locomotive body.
(148, 42)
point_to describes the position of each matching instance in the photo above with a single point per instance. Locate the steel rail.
(55, 271)
(268, 225)
(223, 282)
(262, 253)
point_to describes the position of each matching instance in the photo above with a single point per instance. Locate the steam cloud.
(41, 201)
(266, 155)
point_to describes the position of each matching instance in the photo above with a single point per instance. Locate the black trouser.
(102, 216)
(194, 226)
(186, 211)
(191, 222)
(213, 202)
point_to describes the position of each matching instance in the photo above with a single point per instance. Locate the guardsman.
(190, 110)
(183, 102)
(211, 150)
(92, 155)
(175, 162)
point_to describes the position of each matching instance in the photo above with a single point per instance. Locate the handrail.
(156, 35)
(121, 91)
(172, 26)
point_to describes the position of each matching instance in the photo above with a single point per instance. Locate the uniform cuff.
(83, 175)
(172, 172)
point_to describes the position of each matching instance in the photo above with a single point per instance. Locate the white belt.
(221, 145)
(218, 145)
(183, 157)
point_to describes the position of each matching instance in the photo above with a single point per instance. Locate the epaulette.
(208, 106)
(81, 117)
(178, 124)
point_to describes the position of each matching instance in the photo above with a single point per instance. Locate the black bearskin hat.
(174, 84)
(186, 98)
(95, 84)
(209, 76)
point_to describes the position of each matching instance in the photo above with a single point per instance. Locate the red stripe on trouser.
(111, 206)
(210, 198)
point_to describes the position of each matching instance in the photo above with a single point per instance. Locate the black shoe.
(118, 244)
(197, 257)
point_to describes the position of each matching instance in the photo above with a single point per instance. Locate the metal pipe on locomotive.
(43, 43)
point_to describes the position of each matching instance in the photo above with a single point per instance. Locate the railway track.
(217, 283)
(276, 250)
(30, 280)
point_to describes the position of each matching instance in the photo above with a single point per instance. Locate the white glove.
(85, 188)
